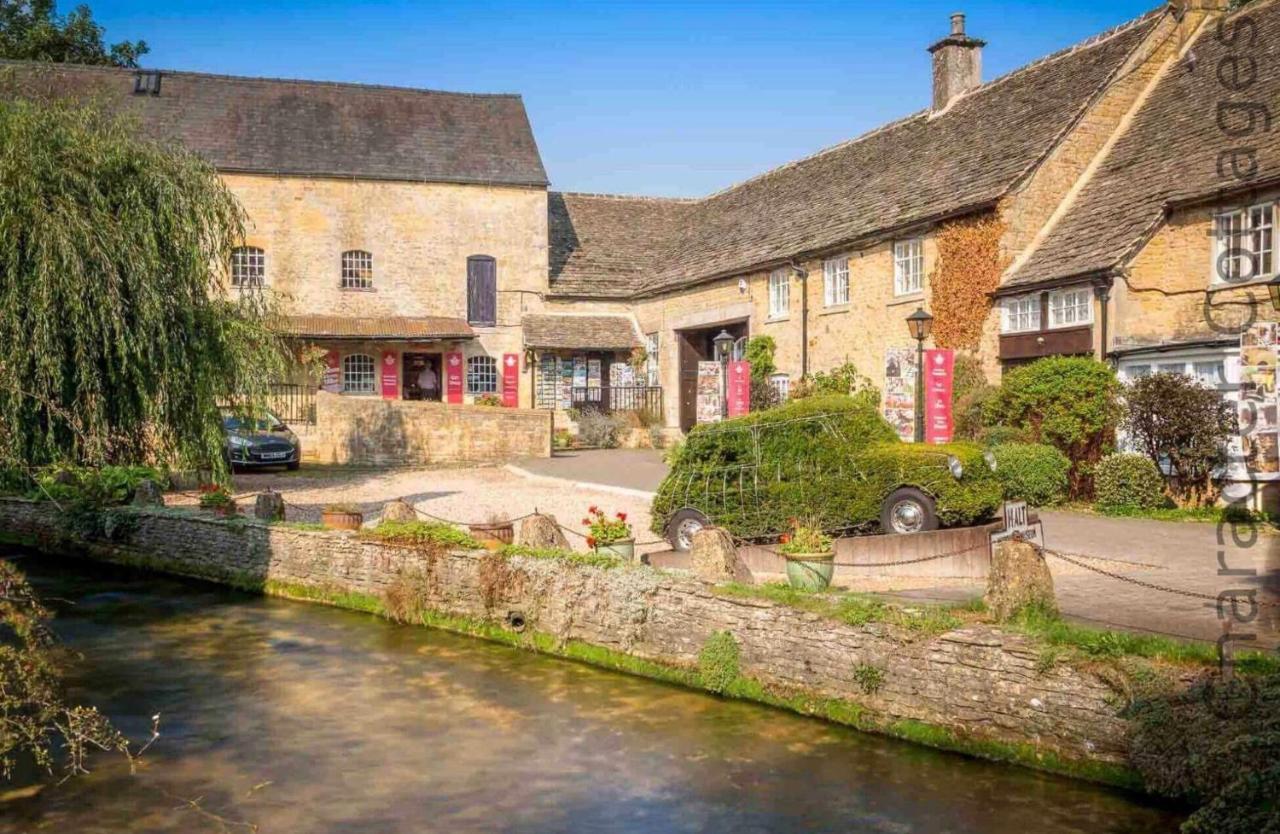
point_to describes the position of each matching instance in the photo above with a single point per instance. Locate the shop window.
(482, 375)
(357, 374)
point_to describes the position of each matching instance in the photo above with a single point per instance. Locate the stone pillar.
(1019, 577)
(148, 494)
(269, 506)
(398, 510)
(541, 531)
(714, 559)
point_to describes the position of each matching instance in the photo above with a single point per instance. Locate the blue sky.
(659, 97)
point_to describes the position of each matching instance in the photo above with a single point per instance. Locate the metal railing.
(639, 398)
(294, 404)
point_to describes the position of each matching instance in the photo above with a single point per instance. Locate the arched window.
(357, 374)
(248, 267)
(482, 375)
(482, 290)
(357, 270)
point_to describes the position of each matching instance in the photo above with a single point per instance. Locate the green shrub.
(719, 662)
(759, 353)
(595, 428)
(969, 390)
(102, 486)
(429, 534)
(842, 380)
(992, 436)
(1071, 403)
(1032, 472)
(1128, 481)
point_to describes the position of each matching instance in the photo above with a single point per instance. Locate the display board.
(900, 390)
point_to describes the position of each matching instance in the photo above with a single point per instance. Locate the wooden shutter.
(482, 290)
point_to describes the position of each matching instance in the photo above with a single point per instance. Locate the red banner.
(510, 380)
(739, 384)
(390, 376)
(939, 369)
(332, 373)
(453, 376)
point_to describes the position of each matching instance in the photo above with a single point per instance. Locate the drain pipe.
(803, 275)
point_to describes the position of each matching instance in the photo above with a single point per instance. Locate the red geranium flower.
(586, 522)
(622, 516)
(784, 538)
(591, 541)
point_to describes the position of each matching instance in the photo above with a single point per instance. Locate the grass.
(853, 609)
(1201, 515)
(573, 557)
(421, 533)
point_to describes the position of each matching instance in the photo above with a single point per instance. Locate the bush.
(719, 662)
(1128, 481)
(759, 352)
(595, 428)
(1071, 403)
(1032, 472)
(993, 436)
(844, 379)
(101, 486)
(1175, 419)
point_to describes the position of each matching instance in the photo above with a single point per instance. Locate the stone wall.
(978, 683)
(368, 430)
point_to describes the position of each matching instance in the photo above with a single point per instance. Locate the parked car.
(266, 441)
(832, 462)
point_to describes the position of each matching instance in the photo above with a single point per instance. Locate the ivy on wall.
(968, 267)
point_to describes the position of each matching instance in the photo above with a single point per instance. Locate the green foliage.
(122, 340)
(806, 539)
(759, 352)
(572, 557)
(600, 430)
(829, 459)
(851, 609)
(869, 678)
(1126, 480)
(1071, 403)
(992, 436)
(719, 662)
(32, 30)
(842, 380)
(1175, 419)
(430, 535)
(1032, 472)
(100, 486)
(969, 390)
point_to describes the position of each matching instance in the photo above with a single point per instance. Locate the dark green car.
(832, 462)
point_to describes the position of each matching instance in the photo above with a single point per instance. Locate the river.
(304, 719)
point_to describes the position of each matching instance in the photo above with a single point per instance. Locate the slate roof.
(574, 332)
(377, 327)
(312, 128)
(1168, 155)
(604, 246)
(916, 170)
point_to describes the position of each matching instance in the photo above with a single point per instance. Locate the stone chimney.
(957, 65)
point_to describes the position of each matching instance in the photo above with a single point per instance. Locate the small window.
(1020, 314)
(908, 266)
(482, 291)
(779, 294)
(482, 375)
(357, 270)
(1071, 308)
(248, 267)
(1133, 372)
(1175, 368)
(1212, 373)
(651, 346)
(835, 282)
(1245, 244)
(782, 385)
(146, 83)
(357, 374)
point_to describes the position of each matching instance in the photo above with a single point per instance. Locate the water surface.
(301, 719)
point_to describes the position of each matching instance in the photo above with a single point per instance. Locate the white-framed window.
(1020, 314)
(782, 385)
(357, 374)
(357, 270)
(779, 294)
(908, 266)
(1071, 307)
(651, 345)
(248, 267)
(482, 375)
(1245, 244)
(835, 281)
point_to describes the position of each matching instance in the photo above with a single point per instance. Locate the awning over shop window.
(572, 332)
(386, 328)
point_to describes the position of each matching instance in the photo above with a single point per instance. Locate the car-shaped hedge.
(832, 461)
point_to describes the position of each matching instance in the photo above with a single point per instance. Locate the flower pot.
(494, 535)
(336, 520)
(224, 510)
(624, 549)
(810, 571)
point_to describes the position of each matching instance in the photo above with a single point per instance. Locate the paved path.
(633, 469)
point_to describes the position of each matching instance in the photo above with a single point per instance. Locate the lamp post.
(919, 324)
(722, 346)
(1274, 289)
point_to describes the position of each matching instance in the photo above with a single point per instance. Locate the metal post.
(919, 390)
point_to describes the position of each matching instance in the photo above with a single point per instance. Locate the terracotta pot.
(810, 571)
(494, 536)
(225, 510)
(341, 520)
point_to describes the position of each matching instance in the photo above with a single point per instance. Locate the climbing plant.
(968, 267)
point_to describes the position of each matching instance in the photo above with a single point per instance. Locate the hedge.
(1032, 472)
(1128, 480)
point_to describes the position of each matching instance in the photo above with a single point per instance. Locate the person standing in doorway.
(428, 382)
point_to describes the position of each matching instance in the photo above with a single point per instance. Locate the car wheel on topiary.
(908, 510)
(682, 526)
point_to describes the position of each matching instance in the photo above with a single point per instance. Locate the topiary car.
(831, 459)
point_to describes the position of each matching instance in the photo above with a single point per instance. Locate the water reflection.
(306, 719)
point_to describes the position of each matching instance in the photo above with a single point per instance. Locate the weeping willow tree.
(119, 339)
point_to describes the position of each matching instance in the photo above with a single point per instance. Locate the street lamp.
(919, 324)
(722, 346)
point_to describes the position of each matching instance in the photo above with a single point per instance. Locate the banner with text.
(939, 425)
(390, 376)
(453, 377)
(739, 388)
(510, 380)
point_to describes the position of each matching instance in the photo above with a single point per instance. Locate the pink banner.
(390, 375)
(939, 369)
(739, 392)
(511, 380)
(332, 373)
(453, 376)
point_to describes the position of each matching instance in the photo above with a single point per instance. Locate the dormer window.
(357, 270)
(1244, 244)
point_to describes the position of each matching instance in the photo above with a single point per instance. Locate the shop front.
(589, 363)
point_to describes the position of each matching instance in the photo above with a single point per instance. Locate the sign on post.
(1017, 523)
(939, 367)
(332, 373)
(390, 376)
(510, 380)
(739, 388)
(453, 377)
